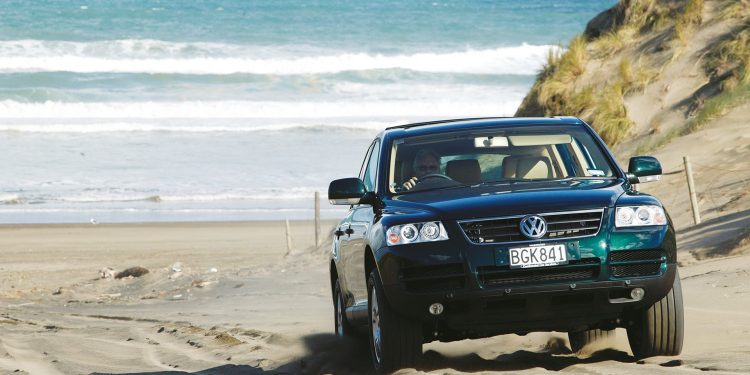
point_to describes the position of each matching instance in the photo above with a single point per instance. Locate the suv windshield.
(472, 158)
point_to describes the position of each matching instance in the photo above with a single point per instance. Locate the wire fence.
(718, 189)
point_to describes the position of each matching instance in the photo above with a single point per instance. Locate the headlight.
(637, 216)
(409, 233)
(417, 232)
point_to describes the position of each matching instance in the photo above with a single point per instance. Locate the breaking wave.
(161, 57)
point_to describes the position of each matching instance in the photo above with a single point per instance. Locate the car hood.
(509, 199)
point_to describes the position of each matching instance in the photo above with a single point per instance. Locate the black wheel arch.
(370, 262)
(334, 275)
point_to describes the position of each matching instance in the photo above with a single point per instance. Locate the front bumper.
(551, 307)
(591, 292)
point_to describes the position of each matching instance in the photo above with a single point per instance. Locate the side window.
(371, 170)
(365, 162)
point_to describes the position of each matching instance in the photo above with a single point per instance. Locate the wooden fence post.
(317, 219)
(691, 189)
(288, 236)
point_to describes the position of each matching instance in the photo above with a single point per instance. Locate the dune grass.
(691, 16)
(609, 116)
(718, 106)
(557, 79)
(572, 63)
(614, 41)
(730, 60)
(555, 93)
(713, 108)
(731, 55)
(736, 9)
(635, 77)
(559, 91)
(641, 15)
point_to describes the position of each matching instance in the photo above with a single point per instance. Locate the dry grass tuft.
(557, 79)
(635, 78)
(691, 16)
(736, 9)
(614, 41)
(609, 116)
(731, 56)
(717, 107)
(639, 14)
(573, 62)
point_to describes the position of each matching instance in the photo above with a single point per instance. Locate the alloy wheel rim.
(375, 313)
(339, 316)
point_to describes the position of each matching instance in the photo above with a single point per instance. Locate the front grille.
(636, 256)
(440, 278)
(635, 263)
(635, 270)
(584, 269)
(559, 225)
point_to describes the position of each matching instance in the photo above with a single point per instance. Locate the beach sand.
(228, 298)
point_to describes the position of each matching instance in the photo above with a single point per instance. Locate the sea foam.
(449, 107)
(159, 57)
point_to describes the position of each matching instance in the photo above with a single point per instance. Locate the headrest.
(510, 164)
(464, 171)
(534, 167)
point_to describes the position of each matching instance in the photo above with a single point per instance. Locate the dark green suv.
(472, 228)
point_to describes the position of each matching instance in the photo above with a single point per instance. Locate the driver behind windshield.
(426, 162)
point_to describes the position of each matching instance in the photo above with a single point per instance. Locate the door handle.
(338, 233)
(349, 231)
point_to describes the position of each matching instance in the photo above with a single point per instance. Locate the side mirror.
(644, 169)
(346, 191)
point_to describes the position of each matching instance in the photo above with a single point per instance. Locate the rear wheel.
(659, 329)
(343, 327)
(579, 340)
(395, 341)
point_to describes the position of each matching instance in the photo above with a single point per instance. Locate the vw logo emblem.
(533, 227)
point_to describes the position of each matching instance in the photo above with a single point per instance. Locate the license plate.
(538, 256)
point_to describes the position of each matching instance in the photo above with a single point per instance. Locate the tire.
(659, 330)
(579, 340)
(395, 341)
(341, 325)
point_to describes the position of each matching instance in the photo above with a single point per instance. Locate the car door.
(339, 245)
(359, 225)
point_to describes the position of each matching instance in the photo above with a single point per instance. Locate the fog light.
(436, 308)
(637, 294)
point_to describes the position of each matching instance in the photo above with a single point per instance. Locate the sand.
(242, 304)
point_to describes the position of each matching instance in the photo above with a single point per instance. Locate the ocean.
(141, 111)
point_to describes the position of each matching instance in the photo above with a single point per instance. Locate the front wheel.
(659, 329)
(343, 327)
(395, 341)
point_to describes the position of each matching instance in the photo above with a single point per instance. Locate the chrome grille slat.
(575, 228)
(560, 225)
(575, 221)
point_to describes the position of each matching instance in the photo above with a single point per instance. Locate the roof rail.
(568, 118)
(417, 124)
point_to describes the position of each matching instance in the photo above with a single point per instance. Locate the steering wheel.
(434, 175)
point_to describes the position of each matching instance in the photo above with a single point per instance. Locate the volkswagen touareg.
(473, 228)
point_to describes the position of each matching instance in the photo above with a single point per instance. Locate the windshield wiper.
(591, 178)
(512, 180)
(434, 189)
(523, 180)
